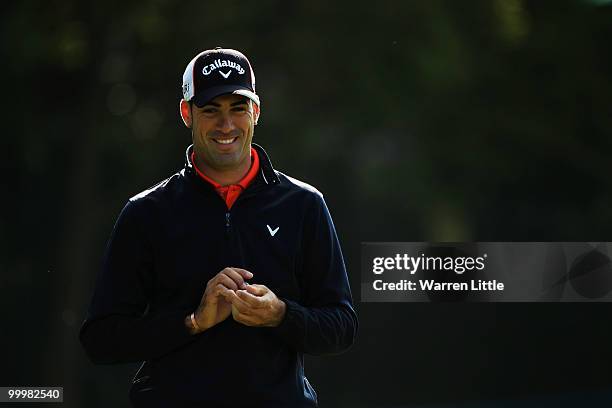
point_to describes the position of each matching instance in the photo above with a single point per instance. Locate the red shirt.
(231, 192)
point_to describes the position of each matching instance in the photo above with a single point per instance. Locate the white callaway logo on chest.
(272, 231)
(218, 63)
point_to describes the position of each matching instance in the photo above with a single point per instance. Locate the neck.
(225, 177)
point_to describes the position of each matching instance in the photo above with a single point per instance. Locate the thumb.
(257, 290)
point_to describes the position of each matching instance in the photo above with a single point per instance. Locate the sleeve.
(118, 327)
(324, 321)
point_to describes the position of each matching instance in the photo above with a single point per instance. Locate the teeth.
(225, 141)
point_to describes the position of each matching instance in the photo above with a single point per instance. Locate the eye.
(209, 111)
(240, 108)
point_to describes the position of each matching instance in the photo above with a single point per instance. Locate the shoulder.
(298, 186)
(159, 190)
(158, 195)
(310, 197)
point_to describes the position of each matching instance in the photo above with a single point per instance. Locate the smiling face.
(222, 132)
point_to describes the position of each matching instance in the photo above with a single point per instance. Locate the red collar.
(230, 193)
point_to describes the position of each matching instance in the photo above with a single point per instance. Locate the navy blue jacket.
(169, 241)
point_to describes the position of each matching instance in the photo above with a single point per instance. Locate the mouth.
(225, 141)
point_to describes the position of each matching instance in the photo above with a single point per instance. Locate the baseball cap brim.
(210, 94)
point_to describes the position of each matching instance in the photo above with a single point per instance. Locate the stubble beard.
(223, 161)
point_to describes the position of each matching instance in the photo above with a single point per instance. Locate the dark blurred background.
(419, 121)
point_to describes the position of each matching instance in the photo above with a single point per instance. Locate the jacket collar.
(267, 175)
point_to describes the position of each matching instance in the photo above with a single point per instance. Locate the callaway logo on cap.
(216, 72)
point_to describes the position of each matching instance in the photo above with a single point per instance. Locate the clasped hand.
(229, 293)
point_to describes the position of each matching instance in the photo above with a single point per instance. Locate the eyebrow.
(240, 102)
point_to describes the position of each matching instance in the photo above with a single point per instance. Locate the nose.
(225, 123)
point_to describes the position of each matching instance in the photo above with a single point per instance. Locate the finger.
(226, 281)
(245, 274)
(238, 303)
(223, 280)
(234, 276)
(251, 300)
(218, 291)
(257, 290)
(246, 319)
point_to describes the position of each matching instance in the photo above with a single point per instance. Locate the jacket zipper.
(227, 222)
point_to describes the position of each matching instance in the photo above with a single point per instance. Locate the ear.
(256, 112)
(185, 113)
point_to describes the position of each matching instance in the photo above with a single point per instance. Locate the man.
(222, 276)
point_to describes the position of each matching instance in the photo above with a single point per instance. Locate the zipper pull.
(227, 219)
